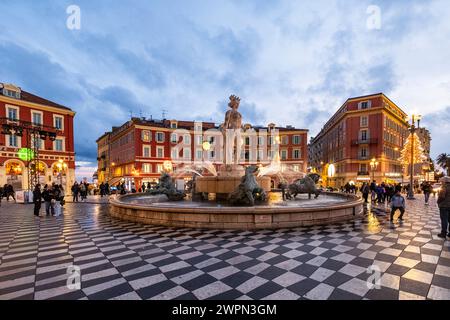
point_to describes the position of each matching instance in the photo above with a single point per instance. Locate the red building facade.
(56, 157)
(361, 142)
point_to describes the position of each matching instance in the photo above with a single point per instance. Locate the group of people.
(7, 191)
(52, 196)
(80, 190)
(104, 189)
(393, 195)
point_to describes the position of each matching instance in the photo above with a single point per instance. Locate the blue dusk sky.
(292, 62)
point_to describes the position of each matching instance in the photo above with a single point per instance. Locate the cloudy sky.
(292, 62)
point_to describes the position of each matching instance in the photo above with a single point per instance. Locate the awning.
(114, 181)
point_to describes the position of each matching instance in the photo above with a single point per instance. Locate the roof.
(27, 96)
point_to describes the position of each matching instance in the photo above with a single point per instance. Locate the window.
(36, 118)
(13, 114)
(160, 136)
(271, 154)
(296, 168)
(364, 105)
(284, 140)
(13, 141)
(187, 139)
(260, 141)
(160, 152)
(364, 135)
(260, 155)
(363, 167)
(146, 151)
(174, 138)
(199, 154)
(363, 153)
(59, 123)
(247, 141)
(174, 153)
(146, 136)
(159, 168)
(11, 93)
(296, 153)
(297, 139)
(39, 143)
(284, 154)
(59, 145)
(364, 121)
(186, 153)
(173, 125)
(146, 168)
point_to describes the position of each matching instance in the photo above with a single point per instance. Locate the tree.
(443, 160)
(416, 146)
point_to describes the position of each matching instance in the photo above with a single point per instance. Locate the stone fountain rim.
(257, 210)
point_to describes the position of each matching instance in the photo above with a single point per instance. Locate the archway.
(14, 170)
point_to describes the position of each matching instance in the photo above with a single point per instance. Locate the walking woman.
(37, 200)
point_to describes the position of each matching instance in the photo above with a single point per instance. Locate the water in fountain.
(275, 168)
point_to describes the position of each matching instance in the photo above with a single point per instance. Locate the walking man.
(426, 188)
(444, 207)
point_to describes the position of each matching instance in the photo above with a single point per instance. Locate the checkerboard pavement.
(123, 260)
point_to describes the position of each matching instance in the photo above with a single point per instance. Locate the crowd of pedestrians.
(53, 198)
(80, 191)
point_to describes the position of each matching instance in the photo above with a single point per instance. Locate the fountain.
(242, 195)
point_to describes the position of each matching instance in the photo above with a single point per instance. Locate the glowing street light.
(373, 166)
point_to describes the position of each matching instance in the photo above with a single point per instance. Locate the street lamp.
(413, 129)
(373, 166)
(62, 167)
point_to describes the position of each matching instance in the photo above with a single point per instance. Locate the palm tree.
(444, 161)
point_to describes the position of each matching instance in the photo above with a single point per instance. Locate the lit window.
(146, 136)
(146, 168)
(159, 168)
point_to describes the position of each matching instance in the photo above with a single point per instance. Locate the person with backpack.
(397, 203)
(444, 207)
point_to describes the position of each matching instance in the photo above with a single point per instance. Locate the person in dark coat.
(37, 199)
(47, 196)
(444, 207)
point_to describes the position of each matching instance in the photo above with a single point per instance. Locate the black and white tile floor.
(121, 260)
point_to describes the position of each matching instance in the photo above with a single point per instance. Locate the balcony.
(364, 141)
(363, 173)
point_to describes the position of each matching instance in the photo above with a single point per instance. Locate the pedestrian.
(37, 199)
(83, 191)
(365, 192)
(426, 189)
(47, 196)
(56, 201)
(373, 187)
(102, 190)
(1, 195)
(10, 192)
(143, 187)
(107, 189)
(397, 203)
(444, 207)
(75, 191)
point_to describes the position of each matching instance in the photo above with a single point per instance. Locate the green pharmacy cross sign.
(26, 154)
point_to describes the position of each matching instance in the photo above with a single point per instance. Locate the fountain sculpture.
(243, 195)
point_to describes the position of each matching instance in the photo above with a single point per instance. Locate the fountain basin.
(331, 208)
(225, 185)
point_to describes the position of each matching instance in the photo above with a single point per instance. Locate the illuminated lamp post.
(373, 166)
